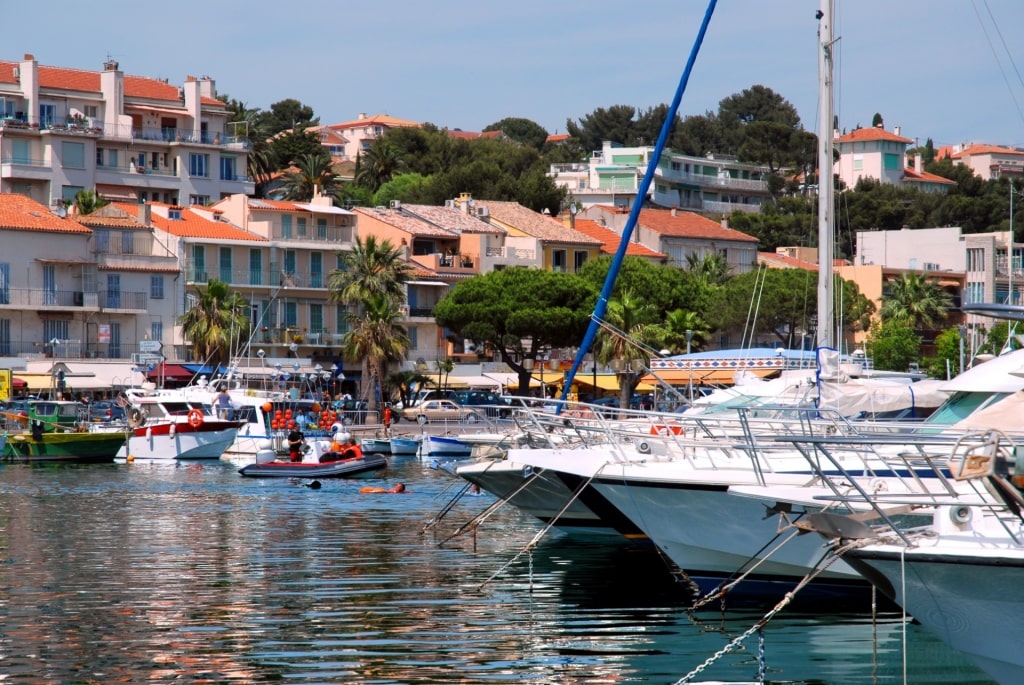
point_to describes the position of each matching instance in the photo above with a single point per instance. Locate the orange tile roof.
(910, 175)
(535, 224)
(872, 133)
(453, 219)
(610, 240)
(688, 225)
(409, 223)
(784, 261)
(376, 119)
(986, 150)
(275, 205)
(558, 137)
(22, 213)
(87, 81)
(192, 225)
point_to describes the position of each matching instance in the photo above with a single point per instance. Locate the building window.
(47, 115)
(341, 320)
(113, 292)
(558, 260)
(316, 270)
(90, 111)
(199, 165)
(301, 221)
(68, 192)
(156, 330)
(286, 226)
(5, 337)
(5, 283)
(321, 229)
(255, 267)
(291, 315)
(227, 168)
(127, 242)
(156, 288)
(579, 258)
(199, 200)
(225, 265)
(72, 155)
(316, 318)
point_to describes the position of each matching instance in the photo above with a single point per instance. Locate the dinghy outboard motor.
(265, 452)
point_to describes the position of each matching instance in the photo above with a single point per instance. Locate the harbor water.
(131, 573)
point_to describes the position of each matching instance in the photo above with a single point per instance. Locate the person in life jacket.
(398, 488)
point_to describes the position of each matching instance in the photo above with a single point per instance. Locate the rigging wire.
(999, 62)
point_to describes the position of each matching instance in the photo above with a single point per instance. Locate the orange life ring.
(195, 418)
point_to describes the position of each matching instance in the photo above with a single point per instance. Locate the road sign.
(150, 346)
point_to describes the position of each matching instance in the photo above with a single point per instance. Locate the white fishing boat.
(404, 446)
(449, 446)
(164, 425)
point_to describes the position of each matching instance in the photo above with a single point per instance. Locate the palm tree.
(376, 338)
(372, 280)
(313, 176)
(711, 269)
(916, 301)
(677, 323)
(371, 268)
(381, 161)
(629, 325)
(215, 324)
(87, 202)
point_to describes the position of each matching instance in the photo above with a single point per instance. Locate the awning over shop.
(33, 381)
(708, 376)
(99, 375)
(608, 382)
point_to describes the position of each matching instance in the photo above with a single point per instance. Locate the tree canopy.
(518, 313)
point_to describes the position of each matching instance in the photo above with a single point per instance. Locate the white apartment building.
(129, 138)
(714, 183)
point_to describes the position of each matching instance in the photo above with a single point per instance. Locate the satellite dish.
(572, 208)
(62, 212)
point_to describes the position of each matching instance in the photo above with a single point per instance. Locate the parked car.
(104, 411)
(440, 410)
(485, 401)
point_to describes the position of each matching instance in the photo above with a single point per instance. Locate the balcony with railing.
(123, 301)
(21, 166)
(297, 335)
(43, 299)
(452, 263)
(315, 234)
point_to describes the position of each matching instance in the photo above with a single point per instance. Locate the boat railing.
(955, 470)
(770, 441)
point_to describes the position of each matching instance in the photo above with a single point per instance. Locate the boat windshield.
(962, 404)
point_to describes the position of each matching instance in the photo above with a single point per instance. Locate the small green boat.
(56, 431)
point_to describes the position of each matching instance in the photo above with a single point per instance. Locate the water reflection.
(132, 573)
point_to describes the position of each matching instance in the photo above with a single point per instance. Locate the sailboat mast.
(826, 219)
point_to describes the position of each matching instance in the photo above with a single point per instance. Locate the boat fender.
(173, 429)
(149, 433)
(195, 418)
(337, 427)
(135, 417)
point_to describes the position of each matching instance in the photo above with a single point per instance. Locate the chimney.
(674, 210)
(145, 214)
(918, 165)
(725, 221)
(896, 130)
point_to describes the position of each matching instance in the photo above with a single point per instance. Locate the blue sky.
(936, 68)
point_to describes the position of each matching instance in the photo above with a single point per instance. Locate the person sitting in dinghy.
(343, 446)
